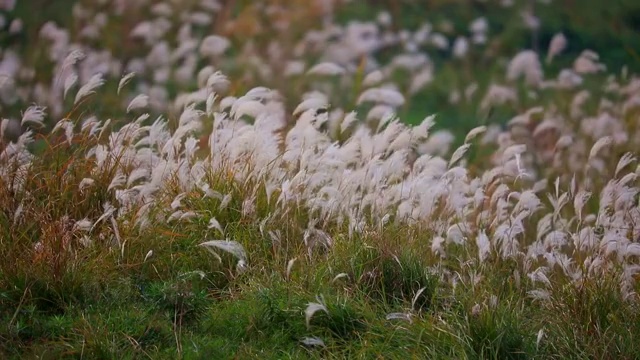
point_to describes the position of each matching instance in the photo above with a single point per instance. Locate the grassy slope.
(106, 302)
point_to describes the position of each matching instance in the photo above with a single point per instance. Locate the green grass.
(107, 302)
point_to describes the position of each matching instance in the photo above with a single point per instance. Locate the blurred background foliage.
(610, 28)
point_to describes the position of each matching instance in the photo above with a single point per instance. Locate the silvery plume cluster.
(559, 194)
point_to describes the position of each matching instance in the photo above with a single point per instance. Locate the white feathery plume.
(436, 245)
(312, 308)
(89, 88)
(124, 81)
(104, 128)
(312, 341)
(420, 80)
(382, 96)
(290, 267)
(177, 201)
(544, 226)
(479, 25)
(18, 213)
(86, 182)
(528, 201)
(564, 142)
(348, 121)
(326, 69)
(189, 115)
(439, 40)
(311, 103)
(148, 256)
(232, 247)
(188, 215)
(251, 108)
(72, 58)
(458, 154)
(214, 224)
(69, 82)
(475, 132)
(526, 63)
(539, 338)
(456, 233)
(556, 46)
(108, 211)
(416, 297)
(484, 245)
(339, 276)
(599, 145)
(199, 18)
(117, 181)
(203, 75)
(539, 275)
(373, 78)
(34, 115)
(539, 294)
(522, 173)
(388, 118)
(540, 185)
(555, 239)
(512, 151)
(210, 102)
(217, 81)
(399, 316)
(142, 118)
(624, 181)
(263, 93)
(225, 202)
(579, 201)
(174, 216)
(624, 161)
(67, 126)
(83, 225)
(421, 132)
(214, 45)
(137, 174)
(294, 68)
(588, 63)
(379, 112)
(227, 102)
(546, 125)
(138, 102)
(313, 237)
(632, 249)
(460, 47)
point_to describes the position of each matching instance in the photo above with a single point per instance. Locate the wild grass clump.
(393, 280)
(593, 316)
(498, 332)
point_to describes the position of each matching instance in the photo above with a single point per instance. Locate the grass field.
(319, 179)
